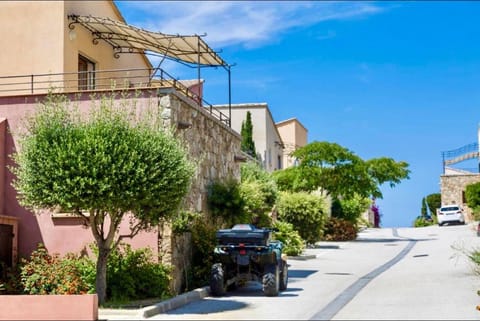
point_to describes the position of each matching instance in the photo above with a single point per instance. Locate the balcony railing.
(102, 80)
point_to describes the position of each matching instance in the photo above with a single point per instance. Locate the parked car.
(450, 214)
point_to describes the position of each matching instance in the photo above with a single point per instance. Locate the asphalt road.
(396, 274)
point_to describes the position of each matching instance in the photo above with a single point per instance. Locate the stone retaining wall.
(452, 189)
(213, 145)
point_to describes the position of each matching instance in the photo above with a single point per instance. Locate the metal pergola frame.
(189, 50)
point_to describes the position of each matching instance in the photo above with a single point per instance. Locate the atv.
(246, 253)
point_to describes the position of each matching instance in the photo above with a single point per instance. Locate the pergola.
(189, 50)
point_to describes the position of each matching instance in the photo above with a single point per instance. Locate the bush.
(225, 202)
(43, 273)
(292, 242)
(133, 275)
(256, 208)
(422, 221)
(305, 211)
(350, 209)
(203, 243)
(337, 229)
(10, 282)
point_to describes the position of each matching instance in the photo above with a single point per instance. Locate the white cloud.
(246, 23)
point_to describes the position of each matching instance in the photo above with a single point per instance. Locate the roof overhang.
(124, 38)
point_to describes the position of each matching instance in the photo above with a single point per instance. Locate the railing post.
(31, 83)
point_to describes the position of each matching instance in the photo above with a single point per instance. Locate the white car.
(450, 214)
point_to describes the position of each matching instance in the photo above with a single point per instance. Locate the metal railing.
(116, 79)
(454, 153)
(460, 155)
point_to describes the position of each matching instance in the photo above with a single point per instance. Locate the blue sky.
(398, 79)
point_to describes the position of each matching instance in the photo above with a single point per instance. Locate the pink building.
(84, 47)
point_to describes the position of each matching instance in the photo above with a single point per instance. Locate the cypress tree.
(248, 145)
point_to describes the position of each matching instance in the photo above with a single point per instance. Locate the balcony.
(106, 80)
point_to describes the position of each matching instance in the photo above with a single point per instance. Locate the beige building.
(268, 141)
(42, 39)
(294, 136)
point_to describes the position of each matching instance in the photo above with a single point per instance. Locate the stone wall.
(213, 146)
(452, 189)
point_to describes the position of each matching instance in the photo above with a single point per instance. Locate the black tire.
(217, 280)
(270, 280)
(284, 276)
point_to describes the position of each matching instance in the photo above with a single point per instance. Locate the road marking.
(331, 309)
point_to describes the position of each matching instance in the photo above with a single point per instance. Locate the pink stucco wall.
(59, 235)
(49, 307)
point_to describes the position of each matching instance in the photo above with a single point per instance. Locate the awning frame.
(189, 50)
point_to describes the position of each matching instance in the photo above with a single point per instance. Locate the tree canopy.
(113, 162)
(434, 201)
(337, 171)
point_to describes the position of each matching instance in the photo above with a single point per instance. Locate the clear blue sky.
(398, 79)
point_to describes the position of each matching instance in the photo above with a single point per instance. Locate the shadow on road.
(385, 240)
(213, 306)
(300, 273)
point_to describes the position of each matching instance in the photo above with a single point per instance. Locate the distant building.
(268, 141)
(454, 180)
(294, 136)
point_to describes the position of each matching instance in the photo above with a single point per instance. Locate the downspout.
(229, 97)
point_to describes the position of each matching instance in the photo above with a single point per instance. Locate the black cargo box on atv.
(243, 233)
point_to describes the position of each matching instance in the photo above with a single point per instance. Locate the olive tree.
(117, 163)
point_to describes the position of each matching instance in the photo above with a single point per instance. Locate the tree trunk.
(101, 278)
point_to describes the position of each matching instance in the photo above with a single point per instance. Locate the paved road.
(403, 273)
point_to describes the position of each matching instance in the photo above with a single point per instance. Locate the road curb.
(302, 257)
(174, 302)
(156, 308)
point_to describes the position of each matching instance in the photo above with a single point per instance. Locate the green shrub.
(305, 211)
(252, 172)
(256, 207)
(10, 282)
(43, 273)
(225, 202)
(475, 213)
(350, 209)
(184, 222)
(203, 243)
(133, 275)
(422, 221)
(293, 243)
(337, 229)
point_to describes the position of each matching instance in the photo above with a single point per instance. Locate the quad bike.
(246, 253)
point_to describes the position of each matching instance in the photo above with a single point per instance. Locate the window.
(86, 74)
(279, 162)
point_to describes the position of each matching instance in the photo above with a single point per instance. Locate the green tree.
(248, 145)
(117, 163)
(339, 172)
(434, 201)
